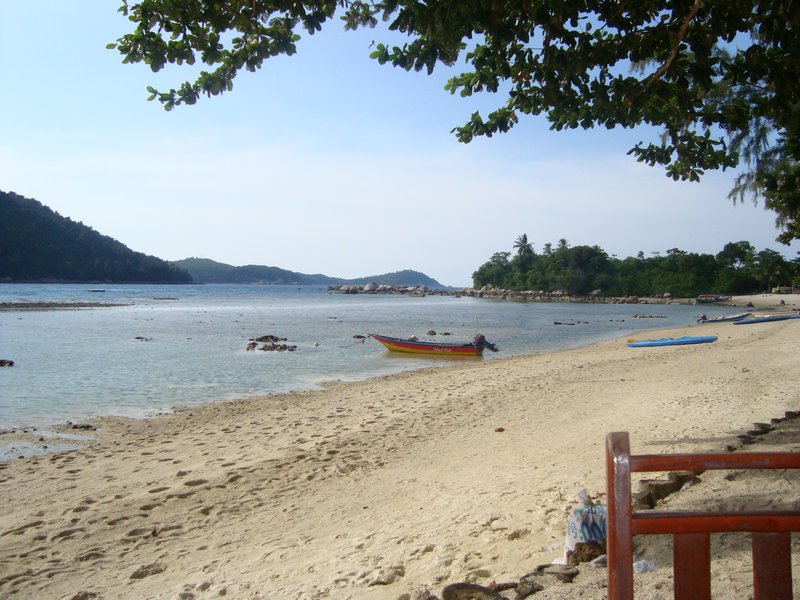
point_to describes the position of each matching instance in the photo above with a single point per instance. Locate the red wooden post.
(619, 537)
(691, 560)
(772, 566)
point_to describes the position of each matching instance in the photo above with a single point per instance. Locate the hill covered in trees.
(204, 270)
(737, 269)
(37, 244)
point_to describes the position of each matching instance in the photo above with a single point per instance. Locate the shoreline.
(382, 488)
(763, 301)
(29, 441)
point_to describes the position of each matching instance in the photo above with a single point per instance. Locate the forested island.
(205, 270)
(39, 245)
(738, 268)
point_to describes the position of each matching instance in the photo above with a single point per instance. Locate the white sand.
(385, 488)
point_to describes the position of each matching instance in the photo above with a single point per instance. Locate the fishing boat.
(687, 339)
(723, 318)
(473, 348)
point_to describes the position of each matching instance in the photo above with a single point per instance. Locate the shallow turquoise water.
(178, 345)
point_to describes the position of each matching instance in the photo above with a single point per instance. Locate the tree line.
(580, 270)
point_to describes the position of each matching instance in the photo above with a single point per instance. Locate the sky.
(324, 162)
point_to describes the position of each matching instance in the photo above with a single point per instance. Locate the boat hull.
(728, 319)
(681, 341)
(418, 347)
(768, 319)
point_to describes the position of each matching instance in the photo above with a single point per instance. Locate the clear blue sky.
(323, 162)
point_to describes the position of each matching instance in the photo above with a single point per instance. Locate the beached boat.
(474, 348)
(767, 319)
(687, 339)
(723, 318)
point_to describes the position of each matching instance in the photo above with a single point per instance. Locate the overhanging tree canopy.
(719, 78)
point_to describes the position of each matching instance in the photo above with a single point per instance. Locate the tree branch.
(681, 33)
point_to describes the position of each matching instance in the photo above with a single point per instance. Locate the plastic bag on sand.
(586, 531)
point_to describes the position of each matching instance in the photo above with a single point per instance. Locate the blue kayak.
(681, 341)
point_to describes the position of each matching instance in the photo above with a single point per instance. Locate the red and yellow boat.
(474, 348)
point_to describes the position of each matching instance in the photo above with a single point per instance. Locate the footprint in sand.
(195, 482)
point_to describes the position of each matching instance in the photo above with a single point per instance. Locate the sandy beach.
(394, 487)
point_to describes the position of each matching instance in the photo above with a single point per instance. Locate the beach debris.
(529, 584)
(5, 362)
(643, 566)
(527, 588)
(586, 552)
(500, 429)
(601, 562)
(586, 531)
(562, 573)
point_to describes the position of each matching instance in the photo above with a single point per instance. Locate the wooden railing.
(772, 568)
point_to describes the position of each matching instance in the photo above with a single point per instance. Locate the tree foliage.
(38, 244)
(717, 78)
(580, 270)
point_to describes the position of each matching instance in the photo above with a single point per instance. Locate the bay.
(169, 346)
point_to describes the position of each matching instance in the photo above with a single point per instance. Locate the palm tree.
(522, 246)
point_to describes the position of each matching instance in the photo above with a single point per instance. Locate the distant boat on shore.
(723, 318)
(768, 319)
(474, 348)
(687, 339)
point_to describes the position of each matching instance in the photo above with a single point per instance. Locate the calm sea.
(178, 345)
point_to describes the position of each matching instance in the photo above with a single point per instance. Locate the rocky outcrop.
(373, 288)
(596, 297)
(270, 343)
